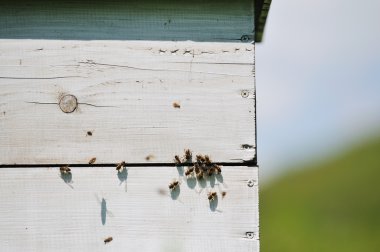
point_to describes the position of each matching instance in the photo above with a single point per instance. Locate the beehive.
(89, 84)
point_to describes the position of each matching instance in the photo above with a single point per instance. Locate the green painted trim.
(198, 20)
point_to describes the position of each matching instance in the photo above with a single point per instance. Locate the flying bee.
(92, 160)
(173, 185)
(188, 155)
(120, 167)
(107, 240)
(177, 160)
(65, 169)
(217, 168)
(189, 171)
(212, 196)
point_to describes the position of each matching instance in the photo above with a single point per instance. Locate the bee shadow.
(103, 211)
(219, 178)
(67, 178)
(191, 182)
(202, 183)
(214, 204)
(123, 176)
(211, 179)
(174, 194)
(180, 170)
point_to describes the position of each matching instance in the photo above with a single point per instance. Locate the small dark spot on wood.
(39, 49)
(149, 157)
(176, 105)
(89, 133)
(162, 191)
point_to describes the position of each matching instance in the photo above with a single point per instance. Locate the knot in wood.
(68, 103)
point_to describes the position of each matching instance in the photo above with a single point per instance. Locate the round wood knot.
(68, 103)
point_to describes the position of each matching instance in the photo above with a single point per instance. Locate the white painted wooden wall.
(143, 102)
(126, 92)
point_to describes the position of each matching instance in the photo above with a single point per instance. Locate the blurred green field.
(330, 206)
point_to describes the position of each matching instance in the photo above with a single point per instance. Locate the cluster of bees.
(201, 168)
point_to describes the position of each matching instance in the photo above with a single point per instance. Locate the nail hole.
(251, 183)
(244, 38)
(247, 146)
(245, 93)
(250, 235)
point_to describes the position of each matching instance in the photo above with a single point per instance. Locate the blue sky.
(318, 80)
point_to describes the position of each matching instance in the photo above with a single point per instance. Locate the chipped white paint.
(125, 92)
(40, 212)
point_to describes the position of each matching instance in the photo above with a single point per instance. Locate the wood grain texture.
(41, 212)
(211, 20)
(125, 92)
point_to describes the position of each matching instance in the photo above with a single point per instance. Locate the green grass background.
(330, 206)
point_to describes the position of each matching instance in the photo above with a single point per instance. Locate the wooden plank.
(212, 20)
(125, 93)
(41, 212)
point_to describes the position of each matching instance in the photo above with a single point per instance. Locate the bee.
(177, 160)
(217, 169)
(149, 157)
(120, 167)
(207, 160)
(224, 193)
(65, 169)
(173, 185)
(200, 158)
(189, 171)
(92, 160)
(210, 171)
(107, 240)
(198, 171)
(212, 196)
(188, 155)
(176, 105)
